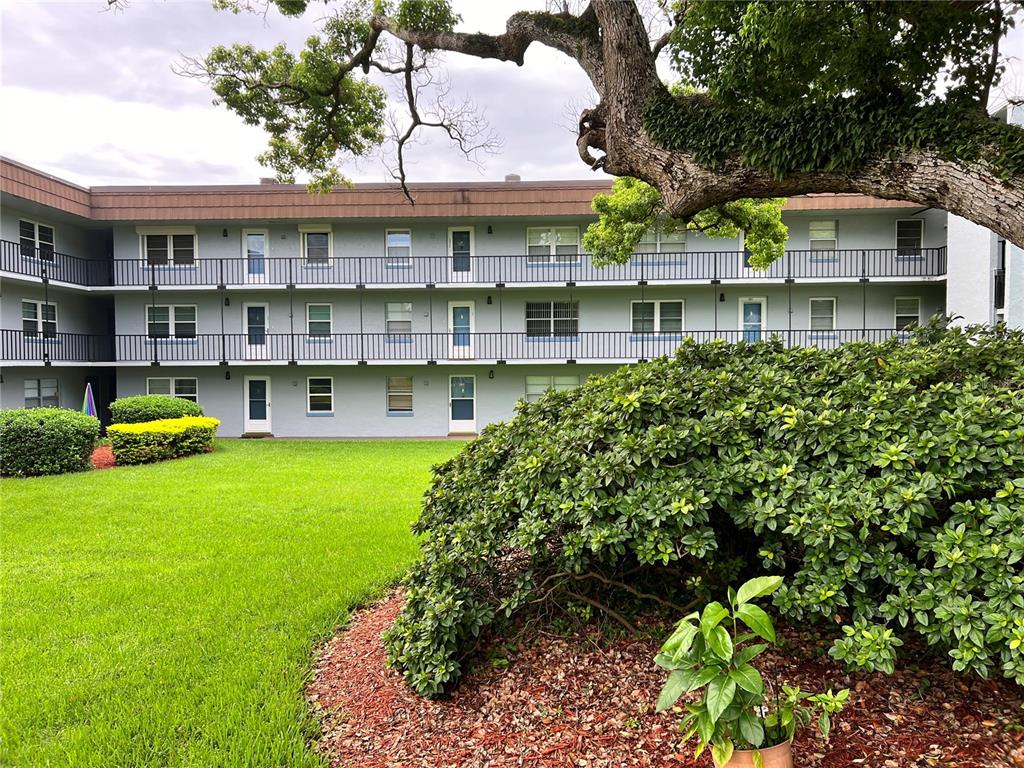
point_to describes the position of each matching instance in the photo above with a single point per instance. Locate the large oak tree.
(767, 99)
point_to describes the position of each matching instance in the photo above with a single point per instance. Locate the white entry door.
(461, 319)
(752, 318)
(462, 404)
(254, 319)
(254, 247)
(257, 405)
(460, 254)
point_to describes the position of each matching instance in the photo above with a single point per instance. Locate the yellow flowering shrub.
(150, 441)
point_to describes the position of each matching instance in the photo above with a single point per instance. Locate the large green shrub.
(46, 441)
(163, 439)
(886, 481)
(140, 408)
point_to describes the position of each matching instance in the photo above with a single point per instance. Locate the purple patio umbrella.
(88, 404)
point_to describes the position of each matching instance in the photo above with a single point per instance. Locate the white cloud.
(91, 96)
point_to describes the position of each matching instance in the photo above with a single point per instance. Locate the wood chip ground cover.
(584, 701)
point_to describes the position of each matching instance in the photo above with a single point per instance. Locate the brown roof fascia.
(42, 188)
(292, 201)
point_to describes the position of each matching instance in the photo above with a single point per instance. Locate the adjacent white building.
(356, 314)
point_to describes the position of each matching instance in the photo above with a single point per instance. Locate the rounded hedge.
(149, 441)
(885, 481)
(140, 408)
(46, 441)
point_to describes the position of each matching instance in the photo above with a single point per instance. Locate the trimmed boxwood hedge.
(140, 408)
(46, 441)
(162, 439)
(885, 481)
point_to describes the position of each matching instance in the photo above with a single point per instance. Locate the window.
(320, 395)
(41, 393)
(657, 316)
(39, 319)
(316, 245)
(909, 237)
(399, 394)
(823, 236)
(552, 318)
(656, 241)
(552, 245)
(163, 249)
(398, 317)
(398, 244)
(536, 386)
(36, 239)
(823, 314)
(186, 388)
(171, 321)
(908, 312)
(318, 319)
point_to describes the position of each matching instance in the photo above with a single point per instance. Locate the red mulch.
(103, 458)
(568, 702)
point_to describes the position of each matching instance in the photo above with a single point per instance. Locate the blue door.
(462, 404)
(752, 315)
(255, 256)
(460, 325)
(461, 245)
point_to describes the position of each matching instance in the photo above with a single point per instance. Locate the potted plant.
(743, 722)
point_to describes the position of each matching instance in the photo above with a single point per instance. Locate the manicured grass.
(165, 615)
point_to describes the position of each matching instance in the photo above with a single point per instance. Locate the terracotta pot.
(779, 756)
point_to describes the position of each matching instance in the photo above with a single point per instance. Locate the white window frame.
(553, 256)
(172, 321)
(834, 239)
(315, 229)
(404, 261)
(810, 315)
(657, 315)
(388, 320)
(552, 384)
(167, 231)
(895, 316)
(309, 394)
(172, 386)
(388, 392)
(551, 318)
(39, 317)
(330, 319)
(659, 249)
(896, 239)
(39, 392)
(35, 238)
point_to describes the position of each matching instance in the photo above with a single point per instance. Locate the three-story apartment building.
(355, 313)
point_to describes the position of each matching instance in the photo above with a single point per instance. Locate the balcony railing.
(516, 269)
(22, 347)
(236, 348)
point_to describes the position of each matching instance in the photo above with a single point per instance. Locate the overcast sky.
(89, 95)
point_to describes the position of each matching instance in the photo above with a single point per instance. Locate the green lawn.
(165, 615)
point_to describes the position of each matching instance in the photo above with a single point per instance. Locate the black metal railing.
(423, 347)
(45, 263)
(18, 346)
(514, 269)
(21, 347)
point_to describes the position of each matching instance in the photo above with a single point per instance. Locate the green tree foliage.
(899, 77)
(885, 481)
(635, 207)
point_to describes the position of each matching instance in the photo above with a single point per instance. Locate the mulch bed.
(585, 701)
(103, 458)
